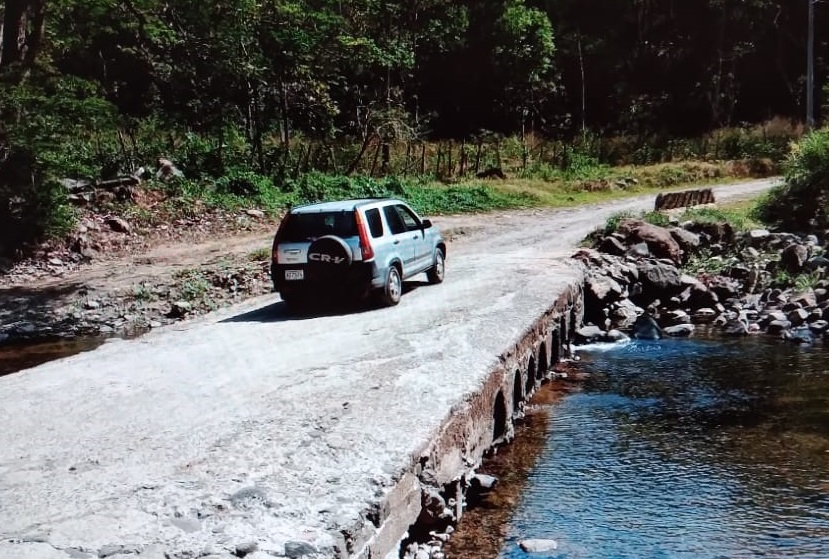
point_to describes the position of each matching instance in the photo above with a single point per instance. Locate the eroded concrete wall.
(482, 421)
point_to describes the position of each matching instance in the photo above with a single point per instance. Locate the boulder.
(646, 328)
(805, 298)
(819, 326)
(816, 263)
(180, 309)
(735, 327)
(725, 289)
(688, 241)
(588, 256)
(659, 240)
(779, 241)
(777, 326)
(801, 335)
(624, 313)
(690, 281)
(791, 306)
(798, 317)
(757, 237)
(775, 296)
(538, 546)
(483, 482)
(749, 315)
(299, 550)
(612, 245)
(615, 337)
(794, 257)
(639, 250)
(664, 278)
(630, 272)
(679, 331)
(617, 272)
(714, 233)
(704, 315)
(589, 334)
(117, 224)
(676, 317)
(602, 290)
(750, 253)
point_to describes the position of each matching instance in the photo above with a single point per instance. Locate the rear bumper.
(358, 279)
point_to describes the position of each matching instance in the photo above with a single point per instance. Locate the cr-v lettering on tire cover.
(328, 258)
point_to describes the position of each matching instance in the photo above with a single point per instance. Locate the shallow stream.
(685, 448)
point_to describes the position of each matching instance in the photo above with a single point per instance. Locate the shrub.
(30, 212)
(800, 204)
(457, 199)
(242, 182)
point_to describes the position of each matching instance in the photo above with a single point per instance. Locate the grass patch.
(610, 183)
(193, 285)
(583, 184)
(260, 255)
(739, 214)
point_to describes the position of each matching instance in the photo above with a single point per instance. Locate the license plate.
(294, 275)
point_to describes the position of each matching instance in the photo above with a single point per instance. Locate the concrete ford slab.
(255, 433)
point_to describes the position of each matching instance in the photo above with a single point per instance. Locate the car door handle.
(415, 237)
(397, 242)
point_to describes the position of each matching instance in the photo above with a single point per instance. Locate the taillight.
(275, 247)
(365, 246)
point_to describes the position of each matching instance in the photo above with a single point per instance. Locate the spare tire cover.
(328, 258)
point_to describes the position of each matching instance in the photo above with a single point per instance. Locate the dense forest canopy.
(449, 68)
(245, 95)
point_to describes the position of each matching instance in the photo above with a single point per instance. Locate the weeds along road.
(253, 426)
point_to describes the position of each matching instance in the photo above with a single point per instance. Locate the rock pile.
(652, 281)
(34, 316)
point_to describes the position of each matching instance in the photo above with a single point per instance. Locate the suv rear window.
(308, 226)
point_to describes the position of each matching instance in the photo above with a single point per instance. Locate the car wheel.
(436, 272)
(393, 288)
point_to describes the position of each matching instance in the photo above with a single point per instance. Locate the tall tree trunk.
(37, 30)
(22, 31)
(14, 32)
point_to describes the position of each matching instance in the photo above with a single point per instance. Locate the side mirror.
(426, 224)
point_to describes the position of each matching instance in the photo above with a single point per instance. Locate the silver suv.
(354, 247)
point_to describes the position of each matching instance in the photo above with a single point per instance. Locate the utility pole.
(810, 68)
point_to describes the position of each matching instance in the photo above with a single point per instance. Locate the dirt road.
(250, 425)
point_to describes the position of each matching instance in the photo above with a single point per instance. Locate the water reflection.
(15, 358)
(686, 448)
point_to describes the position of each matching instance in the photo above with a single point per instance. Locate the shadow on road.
(281, 312)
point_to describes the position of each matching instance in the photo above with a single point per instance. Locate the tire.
(393, 288)
(436, 273)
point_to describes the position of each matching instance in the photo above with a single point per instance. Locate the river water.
(692, 448)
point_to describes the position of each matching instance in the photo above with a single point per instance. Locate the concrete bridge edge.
(484, 420)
